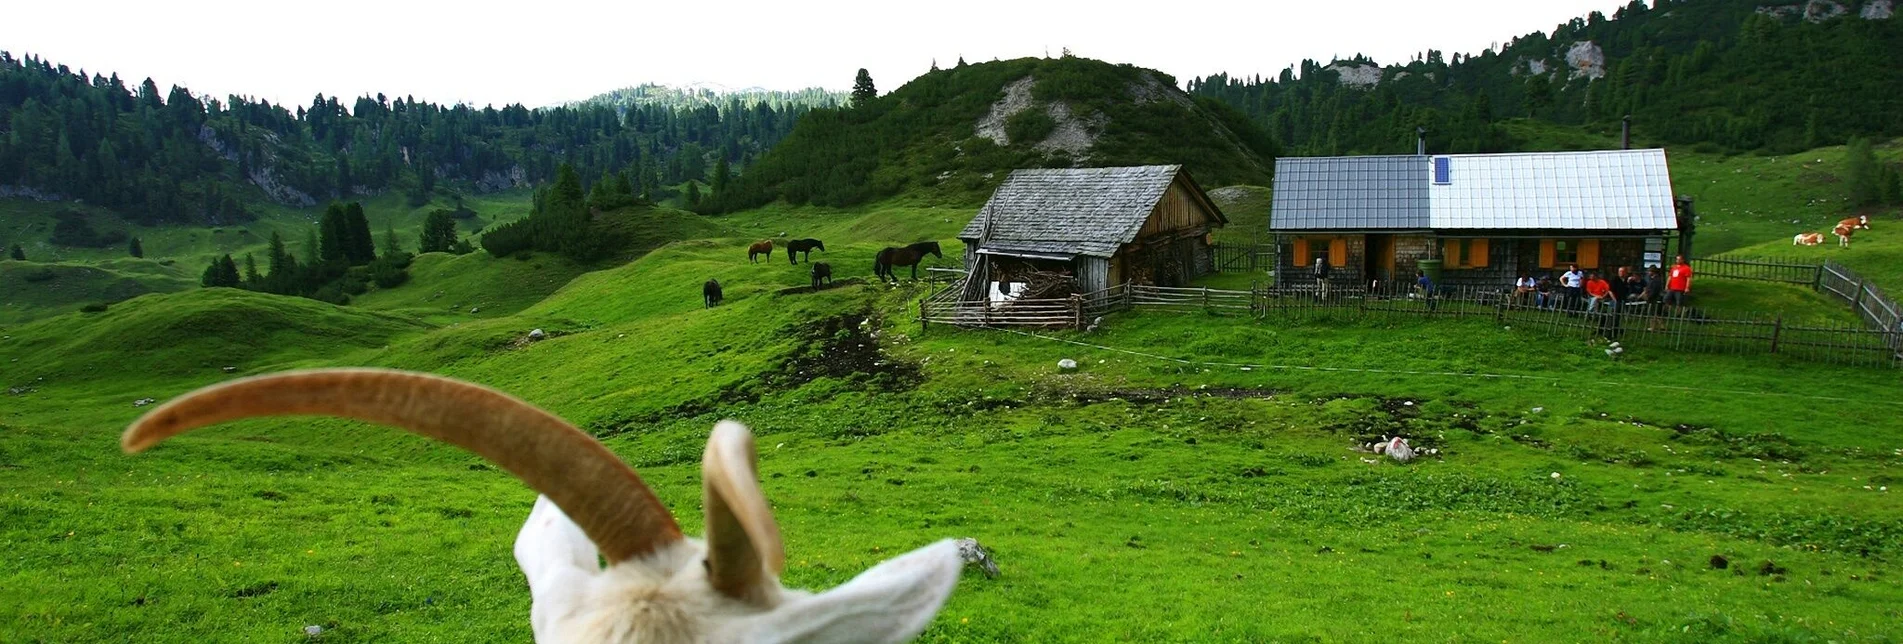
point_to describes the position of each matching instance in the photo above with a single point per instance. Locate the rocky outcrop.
(1821, 10)
(276, 190)
(1017, 98)
(1586, 60)
(1816, 11)
(1357, 75)
(29, 192)
(209, 137)
(493, 181)
(1074, 135)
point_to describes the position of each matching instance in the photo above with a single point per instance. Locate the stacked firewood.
(1045, 285)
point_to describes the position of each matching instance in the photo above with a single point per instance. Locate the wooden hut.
(1486, 217)
(1105, 226)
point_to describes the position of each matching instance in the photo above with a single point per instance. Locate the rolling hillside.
(952, 134)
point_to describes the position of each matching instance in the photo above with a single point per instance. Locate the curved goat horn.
(594, 488)
(744, 552)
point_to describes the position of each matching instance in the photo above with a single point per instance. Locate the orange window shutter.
(1301, 251)
(1338, 251)
(1477, 253)
(1547, 253)
(1589, 253)
(1450, 253)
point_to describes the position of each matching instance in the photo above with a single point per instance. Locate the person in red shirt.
(1678, 284)
(1598, 291)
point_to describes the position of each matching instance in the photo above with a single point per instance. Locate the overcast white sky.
(550, 51)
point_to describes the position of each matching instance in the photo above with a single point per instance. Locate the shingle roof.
(1350, 193)
(1071, 211)
(1597, 190)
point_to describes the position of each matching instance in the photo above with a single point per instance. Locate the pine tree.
(1860, 168)
(693, 194)
(721, 175)
(221, 272)
(391, 246)
(277, 259)
(1890, 185)
(252, 280)
(333, 234)
(17, 253)
(134, 248)
(863, 93)
(439, 233)
(360, 248)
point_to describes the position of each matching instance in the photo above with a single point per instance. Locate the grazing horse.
(1849, 227)
(762, 248)
(710, 293)
(822, 271)
(1807, 239)
(802, 246)
(904, 256)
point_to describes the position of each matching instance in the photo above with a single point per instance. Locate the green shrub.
(96, 307)
(1029, 126)
(41, 275)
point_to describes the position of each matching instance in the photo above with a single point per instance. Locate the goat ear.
(550, 544)
(744, 554)
(892, 602)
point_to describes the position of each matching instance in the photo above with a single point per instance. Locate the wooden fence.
(1232, 258)
(1758, 269)
(1871, 303)
(1636, 325)
(1075, 311)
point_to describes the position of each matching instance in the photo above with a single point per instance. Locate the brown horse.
(762, 248)
(797, 246)
(903, 256)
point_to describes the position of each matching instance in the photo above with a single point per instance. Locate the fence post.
(1077, 311)
(1777, 332)
(1817, 278)
(1857, 305)
(922, 321)
(1205, 298)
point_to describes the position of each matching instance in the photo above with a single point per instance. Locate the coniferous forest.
(159, 156)
(1723, 75)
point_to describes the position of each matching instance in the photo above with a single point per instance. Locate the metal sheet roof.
(1350, 193)
(1071, 211)
(1596, 190)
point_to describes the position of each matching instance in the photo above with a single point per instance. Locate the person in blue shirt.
(1425, 285)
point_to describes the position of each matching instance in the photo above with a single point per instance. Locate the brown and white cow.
(1807, 239)
(1849, 227)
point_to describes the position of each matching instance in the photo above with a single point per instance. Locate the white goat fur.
(665, 596)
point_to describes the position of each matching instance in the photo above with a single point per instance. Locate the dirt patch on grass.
(844, 347)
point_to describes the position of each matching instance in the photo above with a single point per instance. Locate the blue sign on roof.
(1443, 171)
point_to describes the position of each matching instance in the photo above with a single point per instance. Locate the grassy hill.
(952, 134)
(1098, 490)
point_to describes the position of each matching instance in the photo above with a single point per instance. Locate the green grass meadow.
(1195, 480)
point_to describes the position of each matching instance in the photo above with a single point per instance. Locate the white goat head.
(658, 586)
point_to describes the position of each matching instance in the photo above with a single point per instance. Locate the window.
(1464, 253)
(1309, 250)
(1560, 253)
(1565, 251)
(1443, 171)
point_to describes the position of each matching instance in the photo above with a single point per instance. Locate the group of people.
(1576, 289)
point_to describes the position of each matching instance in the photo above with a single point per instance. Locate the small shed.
(1105, 226)
(1486, 217)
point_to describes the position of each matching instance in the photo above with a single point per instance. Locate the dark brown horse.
(710, 293)
(904, 256)
(762, 248)
(822, 271)
(806, 246)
